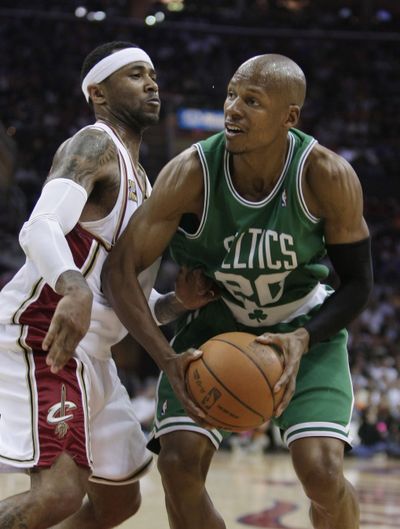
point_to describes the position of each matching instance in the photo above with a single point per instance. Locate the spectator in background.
(372, 433)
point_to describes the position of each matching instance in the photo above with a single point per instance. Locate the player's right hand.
(175, 370)
(294, 345)
(68, 326)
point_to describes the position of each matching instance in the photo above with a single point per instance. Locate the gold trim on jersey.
(146, 183)
(80, 374)
(36, 289)
(124, 181)
(91, 258)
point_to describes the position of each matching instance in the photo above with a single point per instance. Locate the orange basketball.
(232, 382)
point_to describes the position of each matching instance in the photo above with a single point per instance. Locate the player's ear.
(293, 116)
(96, 94)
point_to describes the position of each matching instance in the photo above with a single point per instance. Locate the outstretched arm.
(178, 190)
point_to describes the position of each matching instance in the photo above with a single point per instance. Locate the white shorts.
(84, 411)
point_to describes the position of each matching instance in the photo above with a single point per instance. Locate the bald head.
(275, 73)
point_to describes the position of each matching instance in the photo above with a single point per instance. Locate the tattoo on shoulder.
(84, 157)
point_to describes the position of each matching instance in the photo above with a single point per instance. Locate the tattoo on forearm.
(168, 308)
(14, 520)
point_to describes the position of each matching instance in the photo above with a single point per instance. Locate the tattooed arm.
(90, 159)
(193, 290)
(82, 165)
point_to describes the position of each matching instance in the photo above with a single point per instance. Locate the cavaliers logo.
(59, 414)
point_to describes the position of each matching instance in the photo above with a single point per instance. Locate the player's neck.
(130, 138)
(256, 173)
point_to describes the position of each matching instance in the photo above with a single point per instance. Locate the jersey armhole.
(299, 189)
(206, 180)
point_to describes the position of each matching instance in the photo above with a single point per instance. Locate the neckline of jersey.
(270, 196)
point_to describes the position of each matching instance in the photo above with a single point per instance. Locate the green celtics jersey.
(265, 255)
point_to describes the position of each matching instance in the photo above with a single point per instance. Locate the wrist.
(72, 282)
(303, 335)
(165, 359)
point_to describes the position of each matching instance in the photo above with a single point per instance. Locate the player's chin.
(152, 118)
(234, 145)
(149, 119)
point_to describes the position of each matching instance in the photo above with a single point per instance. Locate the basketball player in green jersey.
(256, 207)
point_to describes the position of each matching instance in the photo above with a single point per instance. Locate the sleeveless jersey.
(27, 302)
(265, 255)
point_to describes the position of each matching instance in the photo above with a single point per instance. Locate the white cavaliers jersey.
(27, 302)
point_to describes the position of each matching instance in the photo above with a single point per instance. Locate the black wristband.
(353, 265)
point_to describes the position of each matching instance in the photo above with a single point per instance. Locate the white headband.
(111, 64)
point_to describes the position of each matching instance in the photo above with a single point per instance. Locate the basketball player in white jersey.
(64, 415)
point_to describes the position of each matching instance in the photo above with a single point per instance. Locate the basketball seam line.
(230, 392)
(257, 366)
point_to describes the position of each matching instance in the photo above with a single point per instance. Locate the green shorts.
(321, 406)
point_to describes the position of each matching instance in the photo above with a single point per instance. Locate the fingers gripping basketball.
(233, 381)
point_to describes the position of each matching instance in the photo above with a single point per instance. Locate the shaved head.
(275, 73)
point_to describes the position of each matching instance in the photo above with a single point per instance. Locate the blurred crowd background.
(349, 53)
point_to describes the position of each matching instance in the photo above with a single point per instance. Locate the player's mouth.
(232, 130)
(153, 101)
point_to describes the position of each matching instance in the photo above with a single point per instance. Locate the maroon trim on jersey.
(37, 316)
(79, 241)
(124, 181)
(61, 414)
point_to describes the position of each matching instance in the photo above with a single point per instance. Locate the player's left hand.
(68, 326)
(294, 345)
(193, 289)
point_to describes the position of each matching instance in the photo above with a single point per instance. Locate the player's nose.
(233, 109)
(151, 84)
